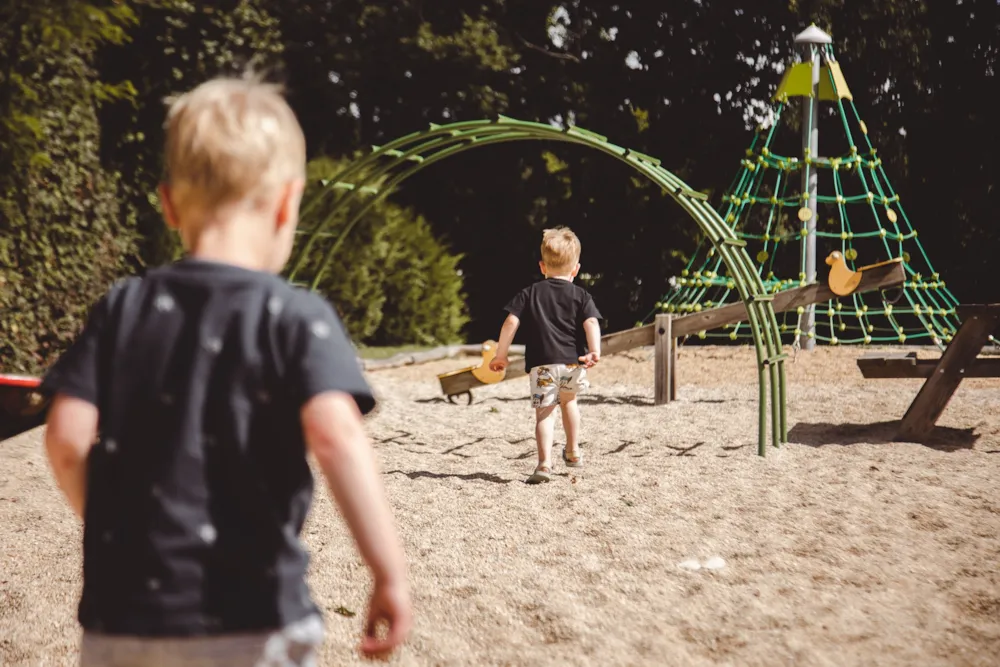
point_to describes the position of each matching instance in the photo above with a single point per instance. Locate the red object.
(20, 381)
(21, 406)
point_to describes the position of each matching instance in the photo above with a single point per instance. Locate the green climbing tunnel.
(373, 177)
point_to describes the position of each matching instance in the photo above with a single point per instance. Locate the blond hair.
(560, 249)
(230, 140)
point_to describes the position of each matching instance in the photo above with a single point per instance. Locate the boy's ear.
(288, 206)
(576, 270)
(541, 267)
(167, 204)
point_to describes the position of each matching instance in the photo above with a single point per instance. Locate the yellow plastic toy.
(483, 372)
(842, 280)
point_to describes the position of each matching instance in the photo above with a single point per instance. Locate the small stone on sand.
(714, 563)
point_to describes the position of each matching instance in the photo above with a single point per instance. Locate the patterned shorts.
(548, 381)
(293, 646)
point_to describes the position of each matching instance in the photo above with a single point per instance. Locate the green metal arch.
(389, 165)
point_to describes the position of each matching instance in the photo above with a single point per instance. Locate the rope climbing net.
(859, 213)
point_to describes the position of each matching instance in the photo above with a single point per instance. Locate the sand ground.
(841, 548)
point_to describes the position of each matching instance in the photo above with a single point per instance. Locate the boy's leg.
(571, 424)
(545, 426)
(544, 396)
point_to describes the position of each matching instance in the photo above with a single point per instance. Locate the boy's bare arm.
(71, 428)
(593, 330)
(335, 434)
(507, 332)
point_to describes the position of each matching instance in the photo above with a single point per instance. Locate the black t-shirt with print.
(199, 484)
(552, 313)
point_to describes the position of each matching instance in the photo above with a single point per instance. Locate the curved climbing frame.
(374, 176)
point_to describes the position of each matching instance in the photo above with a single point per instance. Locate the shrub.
(392, 281)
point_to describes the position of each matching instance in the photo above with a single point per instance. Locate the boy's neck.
(567, 278)
(234, 244)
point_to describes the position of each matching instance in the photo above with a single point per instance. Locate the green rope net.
(858, 213)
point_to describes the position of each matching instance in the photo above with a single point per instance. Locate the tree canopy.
(684, 81)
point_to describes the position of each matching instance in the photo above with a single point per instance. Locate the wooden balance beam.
(879, 277)
(943, 374)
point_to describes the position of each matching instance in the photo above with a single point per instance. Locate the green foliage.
(681, 81)
(176, 45)
(62, 242)
(391, 280)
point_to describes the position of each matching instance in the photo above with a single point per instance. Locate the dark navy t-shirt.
(198, 486)
(552, 313)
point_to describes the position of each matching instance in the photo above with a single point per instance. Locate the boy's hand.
(389, 604)
(499, 363)
(588, 360)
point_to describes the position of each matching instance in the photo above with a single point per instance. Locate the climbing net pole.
(356, 190)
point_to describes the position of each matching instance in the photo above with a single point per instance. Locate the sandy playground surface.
(842, 548)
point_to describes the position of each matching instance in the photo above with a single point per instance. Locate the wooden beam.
(977, 325)
(459, 382)
(881, 277)
(424, 356)
(622, 341)
(664, 361)
(908, 366)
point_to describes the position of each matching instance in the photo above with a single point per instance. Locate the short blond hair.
(230, 140)
(560, 248)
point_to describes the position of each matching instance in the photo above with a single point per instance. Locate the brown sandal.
(541, 474)
(573, 461)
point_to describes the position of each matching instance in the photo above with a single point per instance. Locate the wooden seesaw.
(481, 373)
(666, 329)
(22, 406)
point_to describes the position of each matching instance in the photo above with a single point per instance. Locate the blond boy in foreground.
(184, 412)
(562, 340)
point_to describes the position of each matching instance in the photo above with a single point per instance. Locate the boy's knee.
(543, 413)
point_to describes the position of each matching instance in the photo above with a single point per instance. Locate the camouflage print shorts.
(294, 646)
(547, 382)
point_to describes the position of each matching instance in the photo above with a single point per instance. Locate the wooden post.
(665, 361)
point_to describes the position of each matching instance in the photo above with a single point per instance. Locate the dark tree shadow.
(942, 438)
(473, 476)
(469, 477)
(599, 399)
(585, 399)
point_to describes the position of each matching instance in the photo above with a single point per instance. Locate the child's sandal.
(541, 474)
(573, 462)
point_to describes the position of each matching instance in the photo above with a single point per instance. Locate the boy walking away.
(562, 340)
(183, 414)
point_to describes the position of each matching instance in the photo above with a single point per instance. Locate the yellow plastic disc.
(889, 213)
(762, 256)
(805, 213)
